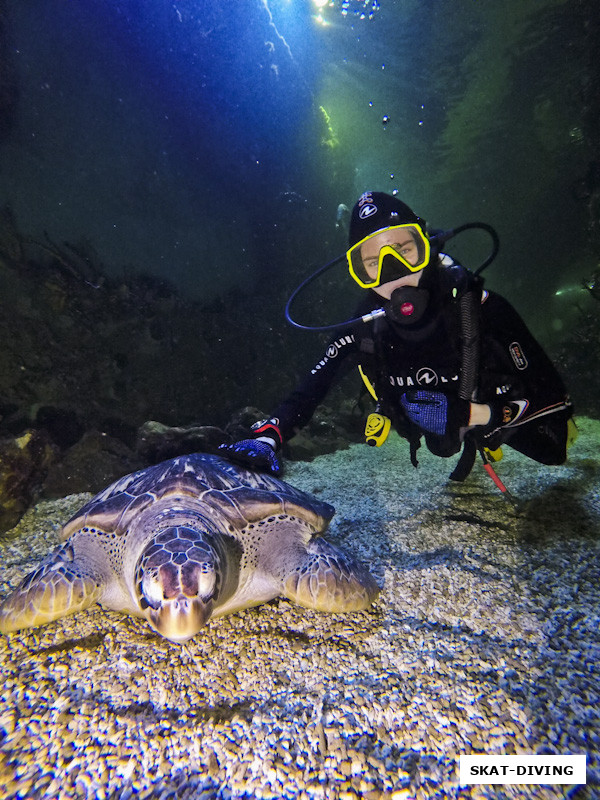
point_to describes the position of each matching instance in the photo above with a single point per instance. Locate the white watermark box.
(522, 769)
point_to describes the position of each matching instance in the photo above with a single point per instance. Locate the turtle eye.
(152, 589)
(206, 581)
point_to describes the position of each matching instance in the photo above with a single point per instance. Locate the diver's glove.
(435, 412)
(252, 453)
(258, 453)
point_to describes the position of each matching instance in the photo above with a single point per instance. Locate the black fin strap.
(466, 461)
(415, 443)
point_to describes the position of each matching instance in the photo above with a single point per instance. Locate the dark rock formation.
(24, 464)
(157, 442)
(90, 465)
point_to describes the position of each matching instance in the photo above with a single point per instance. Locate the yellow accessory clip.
(493, 455)
(377, 429)
(378, 425)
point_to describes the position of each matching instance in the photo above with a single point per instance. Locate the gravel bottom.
(485, 639)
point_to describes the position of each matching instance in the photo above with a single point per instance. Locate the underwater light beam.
(274, 26)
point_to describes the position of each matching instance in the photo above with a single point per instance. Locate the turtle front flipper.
(58, 587)
(326, 579)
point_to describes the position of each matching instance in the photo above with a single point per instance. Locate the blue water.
(211, 143)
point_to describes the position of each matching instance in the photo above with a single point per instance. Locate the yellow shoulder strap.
(370, 386)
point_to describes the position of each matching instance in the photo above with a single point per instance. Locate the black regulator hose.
(469, 307)
(304, 284)
(438, 239)
(441, 237)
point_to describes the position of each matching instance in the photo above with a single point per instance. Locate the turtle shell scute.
(236, 496)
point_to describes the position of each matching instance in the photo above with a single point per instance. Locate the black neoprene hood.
(377, 210)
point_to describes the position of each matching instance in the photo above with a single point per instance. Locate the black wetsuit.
(512, 367)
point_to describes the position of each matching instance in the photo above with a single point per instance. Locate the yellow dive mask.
(406, 245)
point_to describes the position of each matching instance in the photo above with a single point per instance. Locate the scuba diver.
(445, 360)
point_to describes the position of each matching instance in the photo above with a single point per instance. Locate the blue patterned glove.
(252, 453)
(435, 412)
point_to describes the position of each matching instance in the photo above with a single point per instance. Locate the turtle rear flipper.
(326, 579)
(57, 588)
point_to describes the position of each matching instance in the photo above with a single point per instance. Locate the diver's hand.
(253, 453)
(504, 413)
(435, 412)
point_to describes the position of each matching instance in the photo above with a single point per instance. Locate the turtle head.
(177, 577)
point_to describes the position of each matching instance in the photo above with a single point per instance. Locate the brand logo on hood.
(367, 211)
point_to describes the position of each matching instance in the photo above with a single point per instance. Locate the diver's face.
(403, 242)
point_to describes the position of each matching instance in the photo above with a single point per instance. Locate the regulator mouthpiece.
(407, 305)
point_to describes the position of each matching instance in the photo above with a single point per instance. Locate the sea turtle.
(188, 539)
